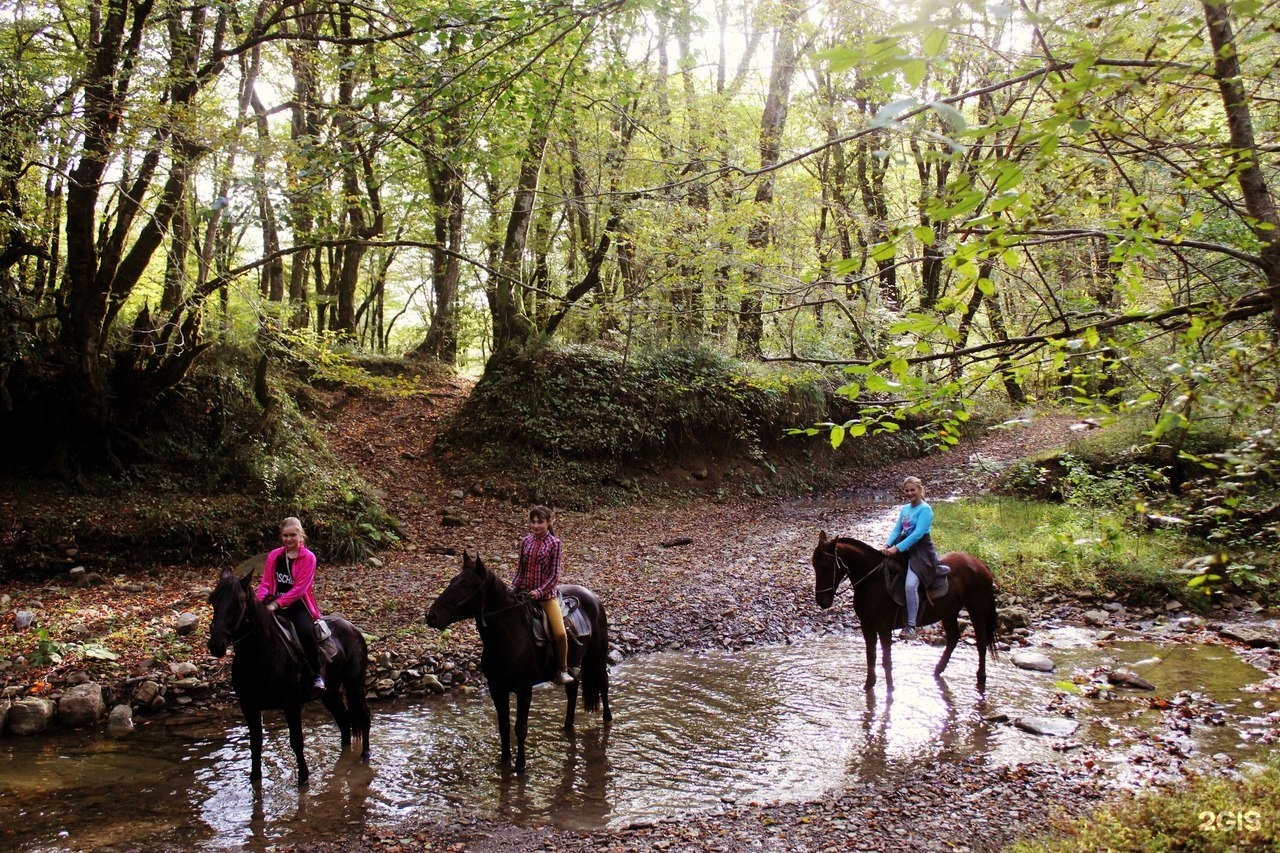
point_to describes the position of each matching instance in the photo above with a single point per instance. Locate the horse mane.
(853, 543)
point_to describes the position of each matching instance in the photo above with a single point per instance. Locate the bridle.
(842, 571)
(480, 590)
(240, 619)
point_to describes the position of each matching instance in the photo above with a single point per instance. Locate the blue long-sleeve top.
(913, 524)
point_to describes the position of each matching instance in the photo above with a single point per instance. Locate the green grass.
(1208, 814)
(1039, 548)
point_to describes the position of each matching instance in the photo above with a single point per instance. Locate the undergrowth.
(585, 425)
(1208, 814)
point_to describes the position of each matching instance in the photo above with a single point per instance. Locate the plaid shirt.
(539, 569)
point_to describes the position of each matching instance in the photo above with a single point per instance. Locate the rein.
(834, 589)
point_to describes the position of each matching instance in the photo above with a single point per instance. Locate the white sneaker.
(564, 678)
(908, 633)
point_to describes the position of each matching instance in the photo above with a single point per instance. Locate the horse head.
(464, 596)
(230, 600)
(828, 571)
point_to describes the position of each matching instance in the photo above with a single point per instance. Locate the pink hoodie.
(304, 572)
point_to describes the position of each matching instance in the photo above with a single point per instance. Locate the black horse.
(511, 661)
(265, 674)
(970, 586)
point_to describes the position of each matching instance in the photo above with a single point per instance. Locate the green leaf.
(837, 436)
(925, 234)
(935, 42)
(914, 71)
(884, 251)
(950, 115)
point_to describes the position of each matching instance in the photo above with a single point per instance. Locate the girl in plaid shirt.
(538, 574)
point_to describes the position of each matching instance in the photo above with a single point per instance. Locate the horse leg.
(502, 704)
(886, 644)
(332, 700)
(950, 626)
(253, 718)
(358, 706)
(570, 691)
(524, 696)
(869, 637)
(293, 714)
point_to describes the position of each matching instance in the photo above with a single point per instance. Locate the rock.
(374, 562)
(186, 624)
(1128, 678)
(1033, 661)
(149, 695)
(77, 574)
(1105, 636)
(120, 723)
(1015, 617)
(1172, 606)
(30, 716)
(1096, 617)
(430, 682)
(81, 705)
(23, 619)
(5, 703)
(1047, 726)
(614, 657)
(456, 495)
(1252, 639)
(454, 521)
(184, 669)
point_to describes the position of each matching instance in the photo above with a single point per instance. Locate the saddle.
(576, 624)
(325, 641)
(895, 580)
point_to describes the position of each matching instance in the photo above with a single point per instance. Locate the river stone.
(150, 695)
(120, 723)
(1015, 617)
(1128, 678)
(186, 624)
(1251, 638)
(23, 619)
(184, 669)
(1034, 661)
(430, 682)
(5, 702)
(1096, 617)
(31, 715)
(81, 705)
(1047, 726)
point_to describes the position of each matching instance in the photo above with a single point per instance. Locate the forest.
(930, 209)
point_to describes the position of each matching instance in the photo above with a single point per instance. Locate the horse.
(266, 672)
(970, 586)
(511, 660)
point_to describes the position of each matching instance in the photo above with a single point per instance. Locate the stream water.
(691, 732)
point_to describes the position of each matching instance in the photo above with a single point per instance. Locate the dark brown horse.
(265, 675)
(511, 661)
(971, 587)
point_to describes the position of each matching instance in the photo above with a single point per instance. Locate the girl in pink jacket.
(287, 576)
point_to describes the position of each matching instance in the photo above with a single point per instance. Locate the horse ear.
(822, 537)
(247, 580)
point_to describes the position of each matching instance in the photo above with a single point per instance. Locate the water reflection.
(690, 733)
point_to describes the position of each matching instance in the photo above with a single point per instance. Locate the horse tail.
(595, 662)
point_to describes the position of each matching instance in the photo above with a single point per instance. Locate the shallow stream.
(691, 732)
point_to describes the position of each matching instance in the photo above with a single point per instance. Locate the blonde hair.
(914, 481)
(293, 521)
